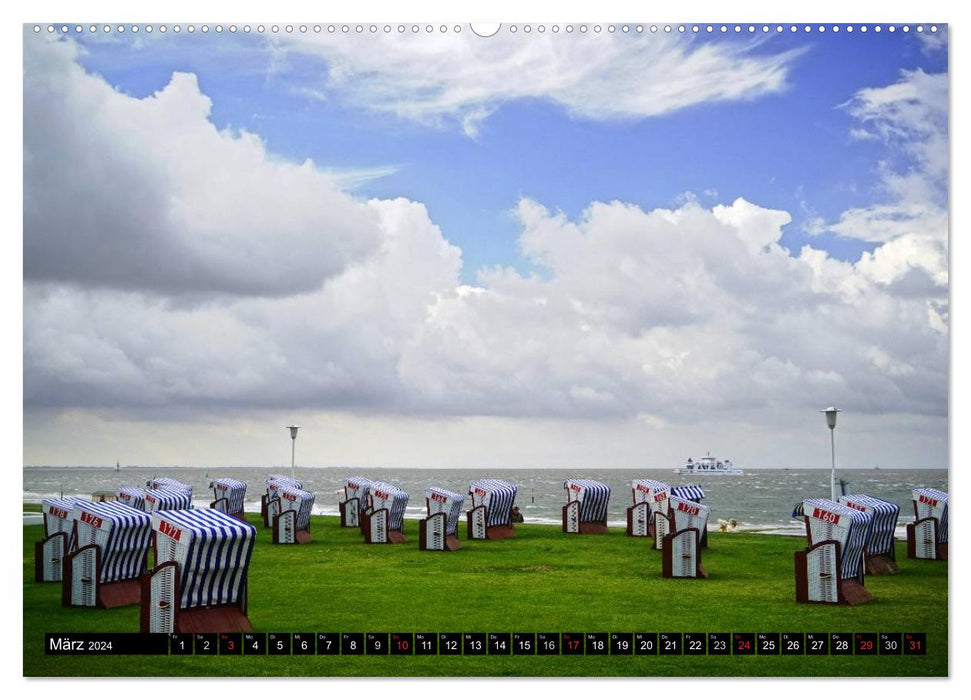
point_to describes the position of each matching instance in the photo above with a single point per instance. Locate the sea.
(760, 500)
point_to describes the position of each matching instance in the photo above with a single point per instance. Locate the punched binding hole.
(485, 29)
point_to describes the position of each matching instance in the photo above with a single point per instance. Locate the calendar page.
(619, 298)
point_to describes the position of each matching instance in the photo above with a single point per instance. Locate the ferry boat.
(709, 465)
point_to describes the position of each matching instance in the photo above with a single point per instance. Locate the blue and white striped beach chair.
(166, 498)
(291, 523)
(692, 492)
(585, 511)
(830, 569)
(383, 519)
(439, 531)
(491, 515)
(112, 552)
(229, 496)
(162, 482)
(681, 545)
(50, 552)
(927, 535)
(650, 498)
(199, 582)
(269, 501)
(879, 557)
(354, 501)
(133, 496)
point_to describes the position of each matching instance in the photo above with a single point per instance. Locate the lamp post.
(831, 422)
(293, 450)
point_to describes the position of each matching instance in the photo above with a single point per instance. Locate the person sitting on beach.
(728, 525)
(517, 516)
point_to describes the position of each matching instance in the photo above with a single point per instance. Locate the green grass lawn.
(540, 581)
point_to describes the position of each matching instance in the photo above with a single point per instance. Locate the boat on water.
(709, 465)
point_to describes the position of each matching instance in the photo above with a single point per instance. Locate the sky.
(570, 249)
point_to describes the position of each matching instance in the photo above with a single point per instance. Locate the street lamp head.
(293, 431)
(831, 416)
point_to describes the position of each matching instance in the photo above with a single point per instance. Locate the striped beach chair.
(166, 499)
(268, 509)
(383, 518)
(439, 531)
(291, 509)
(49, 553)
(879, 556)
(927, 535)
(112, 552)
(133, 496)
(199, 582)
(681, 546)
(229, 496)
(491, 515)
(830, 569)
(650, 498)
(354, 501)
(162, 482)
(585, 511)
(692, 492)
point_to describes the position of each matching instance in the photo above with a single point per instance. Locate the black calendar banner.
(104, 644)
(628, 644)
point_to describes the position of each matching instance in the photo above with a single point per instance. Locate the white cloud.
(146, 194)
(911, 222)
(667, 313)
(672, 313)
(461, 79)
(336, 346)
(911, 115)
(658, 317)
(910, 118)
(931, 42)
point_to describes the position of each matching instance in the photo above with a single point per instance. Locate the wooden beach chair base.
(499, 532)
(220, 618)
(82, 585)
(852, 592)
(285, 529)
(432, 537)
(572, 524)
(813, 587)
(158, 596)
(478, 530)
(118, 594)
(681, 555)
(880, 564)
(374, 526)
